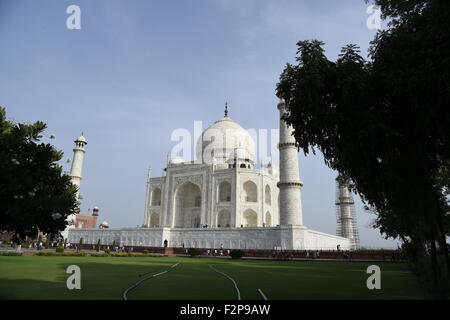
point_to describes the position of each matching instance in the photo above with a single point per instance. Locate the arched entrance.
(156, 197)
(268, 220)
(225, 192)
(188, 201)
(250, 192)
(268, 195)
(250, 218)
(154, 219)
(224, 219)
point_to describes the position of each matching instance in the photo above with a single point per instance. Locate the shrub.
(60, 254)
(127, 254)
(236, 254)
(99, 255)
(134, 255)
(144, 251)
(60, 249)
(194, 252)
(80, 244)
(47, 242)
(10, 253)
(27, 242)
(107, 251)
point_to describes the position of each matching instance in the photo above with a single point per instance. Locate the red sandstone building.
(87, 221)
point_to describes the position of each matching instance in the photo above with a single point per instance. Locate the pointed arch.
(224, 218)
(268, 195)
(187, 206)
(250, 218)
(156, 197)
(224, 191)
(250, 192)
(154, 219)
(268, 219)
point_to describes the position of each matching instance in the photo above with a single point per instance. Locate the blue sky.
(137, 70)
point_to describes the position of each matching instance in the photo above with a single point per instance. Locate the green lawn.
(34, 277)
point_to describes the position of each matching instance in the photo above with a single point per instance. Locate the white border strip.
(262, 294)
(234, 282)
(140, 281)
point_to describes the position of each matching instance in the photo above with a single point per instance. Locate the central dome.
(224, 141)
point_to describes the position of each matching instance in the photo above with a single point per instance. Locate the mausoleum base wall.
(285, 238)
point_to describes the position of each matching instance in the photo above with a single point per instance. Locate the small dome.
(176, 160)
(104, 224)
(95, 211)
(81, 139)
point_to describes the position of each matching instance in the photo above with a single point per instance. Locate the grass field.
(34, 277)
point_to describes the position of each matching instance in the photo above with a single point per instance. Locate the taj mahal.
(222, 200)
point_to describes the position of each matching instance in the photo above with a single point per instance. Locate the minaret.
(147, 199)
(346, 216)
(290, 184)
(75, 175)
(77, 162)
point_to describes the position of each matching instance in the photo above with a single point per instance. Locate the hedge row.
(134, 255)
(53, 253)
(10, 253)
(84, 254)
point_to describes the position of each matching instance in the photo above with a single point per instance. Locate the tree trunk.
(436, 271)
(442, 234)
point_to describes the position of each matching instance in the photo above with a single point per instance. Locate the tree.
(34, 194)
(80, 245)
(384, 123)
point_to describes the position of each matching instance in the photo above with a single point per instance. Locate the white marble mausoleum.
(222, 200)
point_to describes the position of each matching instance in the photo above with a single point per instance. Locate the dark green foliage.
(60, 249)
(32, 185)
(100, 255)
(107, 251)
(47, 243)
(62, 254)
(135, 255)
(98, 246)
(384, 123)
(27, 242)
(10, 253)
(145, 251)
(80, 245)
(236, 254)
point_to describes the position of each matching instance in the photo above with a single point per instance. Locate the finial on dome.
(226, 109)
